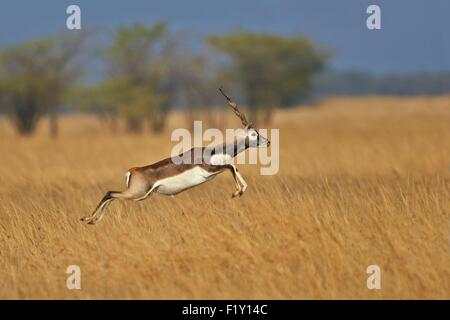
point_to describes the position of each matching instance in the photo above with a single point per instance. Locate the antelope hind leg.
(100, 213)
(106, 199)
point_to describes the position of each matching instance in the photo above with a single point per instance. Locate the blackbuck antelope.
(197, 166)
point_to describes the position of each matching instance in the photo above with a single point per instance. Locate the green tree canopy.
(34, 78)
(272, 70)
(135, 74)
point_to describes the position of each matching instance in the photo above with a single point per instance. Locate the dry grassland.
(361, 182)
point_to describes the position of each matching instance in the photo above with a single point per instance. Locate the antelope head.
(249, 133)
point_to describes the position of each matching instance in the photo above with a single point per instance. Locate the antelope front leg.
(233, 170)
(238, 191)
(241, 185)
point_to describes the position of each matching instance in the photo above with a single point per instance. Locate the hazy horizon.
(412, 38)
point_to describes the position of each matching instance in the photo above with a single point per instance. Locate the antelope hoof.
(92, 222)
(86, 218)
(238, 193)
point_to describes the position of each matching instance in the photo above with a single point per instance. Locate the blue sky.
(414, 34)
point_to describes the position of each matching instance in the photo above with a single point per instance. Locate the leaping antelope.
(170, 178)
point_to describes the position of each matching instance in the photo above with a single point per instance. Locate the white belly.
(221, 159)
(183, 181)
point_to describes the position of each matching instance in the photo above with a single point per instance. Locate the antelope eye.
(253, 134)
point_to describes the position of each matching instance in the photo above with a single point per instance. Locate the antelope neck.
(233, 148)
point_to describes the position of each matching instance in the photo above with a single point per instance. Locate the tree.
(195, 80)
(135, 62)
(103, 100)
(34, 78)
(271, 70)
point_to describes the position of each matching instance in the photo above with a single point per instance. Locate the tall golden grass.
(361, 182)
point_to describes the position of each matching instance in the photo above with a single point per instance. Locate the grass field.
(361, 182)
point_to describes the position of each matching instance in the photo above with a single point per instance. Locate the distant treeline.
(149, 71)
(361, 83)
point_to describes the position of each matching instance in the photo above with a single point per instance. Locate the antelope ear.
(248, 126)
